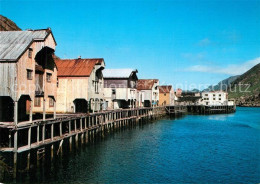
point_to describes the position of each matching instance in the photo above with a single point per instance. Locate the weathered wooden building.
(80, 85)
(28, 74)
(166, 95)
(149, 91)
(120, 88)
(189, 98)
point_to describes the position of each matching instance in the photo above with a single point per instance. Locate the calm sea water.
(192, 149)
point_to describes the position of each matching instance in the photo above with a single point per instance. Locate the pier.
(176, 110)
(213, 109)
(77, 128)
(39, 136)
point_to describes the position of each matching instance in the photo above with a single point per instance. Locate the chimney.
(79, 57)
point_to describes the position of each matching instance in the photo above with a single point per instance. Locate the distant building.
(120, 88)
(214, 98)
(178, 92)
(28, 75)
(149, 91)
(166, 95)
(80, 85)
(189, 98)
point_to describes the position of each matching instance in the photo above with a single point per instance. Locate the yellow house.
(166, 95)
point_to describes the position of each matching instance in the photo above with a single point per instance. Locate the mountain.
(246, 88)
(222, 85)
(7, 25)
(195, 90)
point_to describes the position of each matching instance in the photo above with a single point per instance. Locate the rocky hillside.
(246, 88)
(7, 25)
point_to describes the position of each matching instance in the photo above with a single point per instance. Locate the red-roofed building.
(148, 92)
(178, 92)
(80, 85)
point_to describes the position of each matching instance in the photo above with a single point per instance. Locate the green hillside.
(246, 88)
(247, 84)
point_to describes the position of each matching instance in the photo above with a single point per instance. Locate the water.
(193, 149)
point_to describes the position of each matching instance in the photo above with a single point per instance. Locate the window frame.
(29, 71)
(48, 77)
(35, 105)
(30, 50)
(113, 91)
(51, 100)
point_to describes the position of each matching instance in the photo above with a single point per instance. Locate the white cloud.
(204, 42)
(235, 69)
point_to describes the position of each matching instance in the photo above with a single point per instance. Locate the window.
(95, 84)
(214, 95)
(206, 94)
(37, 102)
(51, 102)
(29, 74)
(214, 98)
(57, 82)
(48, 77)
(113, 91)
(164, 94)
(219, 98)
(30, 53)
(219, 95)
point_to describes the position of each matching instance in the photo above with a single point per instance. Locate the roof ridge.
(80, 59)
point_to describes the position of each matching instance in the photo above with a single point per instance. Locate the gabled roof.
(165, 89)
(146, 84)
(118, 73)
(76, 67)
(14, 43)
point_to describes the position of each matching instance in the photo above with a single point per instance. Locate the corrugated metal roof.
(165, 89)
(146, 84)
(118, 73)
(76, 67)
(14, 43)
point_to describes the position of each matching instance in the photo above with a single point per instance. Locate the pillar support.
(54, 109)
(44, 110)
(31, 111)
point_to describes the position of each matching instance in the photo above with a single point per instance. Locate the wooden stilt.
(54, 109)
(31, 111)
(44, 110)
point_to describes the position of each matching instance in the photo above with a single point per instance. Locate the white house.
(214, 98)
(148, 91)
(120, 88)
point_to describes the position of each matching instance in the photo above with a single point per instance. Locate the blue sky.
(178, 42)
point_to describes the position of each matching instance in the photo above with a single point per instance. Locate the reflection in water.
(220, 117)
